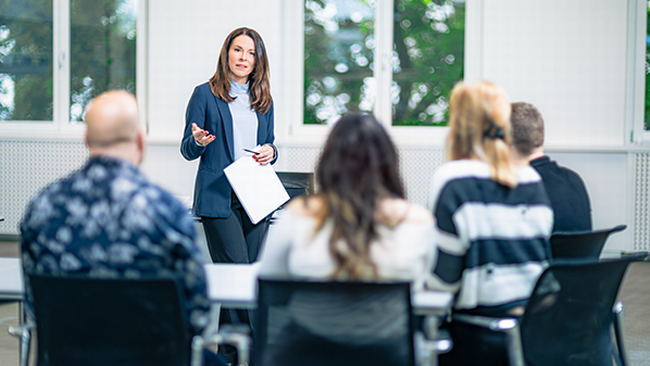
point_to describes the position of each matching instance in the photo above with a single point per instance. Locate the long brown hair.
(260, 88)
(479, 117)
(358, 167)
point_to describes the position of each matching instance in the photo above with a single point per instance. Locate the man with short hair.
(107, 221)
(564, 187)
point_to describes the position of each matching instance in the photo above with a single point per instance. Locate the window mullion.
(61, 73)
(636, 72)
(383, 72)
(141, 60)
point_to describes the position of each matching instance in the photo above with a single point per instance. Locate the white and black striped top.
(491, 240)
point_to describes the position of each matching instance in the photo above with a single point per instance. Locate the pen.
(251, 151)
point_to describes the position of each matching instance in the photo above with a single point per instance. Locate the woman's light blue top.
(244, 119)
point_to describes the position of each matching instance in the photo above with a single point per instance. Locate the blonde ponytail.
(479, 119)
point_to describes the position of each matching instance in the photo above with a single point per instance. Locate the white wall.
(569, 59)
(184, 41)
(605, 176)
(566, 57)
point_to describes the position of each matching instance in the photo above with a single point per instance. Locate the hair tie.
(494, 131)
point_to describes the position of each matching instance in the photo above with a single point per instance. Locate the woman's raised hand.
(201, 136)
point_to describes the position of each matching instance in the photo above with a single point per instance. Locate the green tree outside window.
(103, 50)
(427, 59)
(26, 60)
(339, 58)
(102, 55)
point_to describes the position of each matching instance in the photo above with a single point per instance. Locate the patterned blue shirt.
(107, 221)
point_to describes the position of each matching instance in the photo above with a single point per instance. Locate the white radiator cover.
(28, 166)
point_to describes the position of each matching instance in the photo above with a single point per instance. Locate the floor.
(635, 294)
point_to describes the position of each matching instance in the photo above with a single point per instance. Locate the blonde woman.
(492, 221)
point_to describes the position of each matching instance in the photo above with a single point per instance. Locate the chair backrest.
(83, 321)
(586, 245)
(569, 314)
(297, 183)
(333, 323)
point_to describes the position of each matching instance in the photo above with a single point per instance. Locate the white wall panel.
(641, 203)
(605, 176)
(185, 38)
(164, 166)
(26, 167)
(417, 167)
(568, 58)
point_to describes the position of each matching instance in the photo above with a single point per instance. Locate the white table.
(231, 285)
(234, 286)
(11, 279)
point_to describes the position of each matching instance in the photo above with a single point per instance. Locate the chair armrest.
(427, 350)
(236, 336)
(430, 341)
(509, 326)
(21, 331)
(619, 333)
(24, 333)
(496, 324)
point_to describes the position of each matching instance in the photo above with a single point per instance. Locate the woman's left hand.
(265, 155)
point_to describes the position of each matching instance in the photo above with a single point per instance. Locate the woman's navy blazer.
(212, 191)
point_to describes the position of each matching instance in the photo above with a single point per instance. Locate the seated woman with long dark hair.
(358, 227)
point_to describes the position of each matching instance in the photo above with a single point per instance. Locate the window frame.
(296, 132)
(635, 90)
(61, 128)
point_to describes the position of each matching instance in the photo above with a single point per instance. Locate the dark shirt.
(568, 196)
(107, 221)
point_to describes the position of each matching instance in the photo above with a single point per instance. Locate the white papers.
(257, 186)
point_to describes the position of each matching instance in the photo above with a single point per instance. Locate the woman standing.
(230, 113)
(492, 219)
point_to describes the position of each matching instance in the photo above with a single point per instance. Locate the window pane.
(428, 58)
(103, 46)
(339, 46)
(26, 60)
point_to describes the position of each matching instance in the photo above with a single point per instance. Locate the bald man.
(112, 127)
(106, 220)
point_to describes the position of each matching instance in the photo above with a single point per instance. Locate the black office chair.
(83, 321)
(585, 245)
(336, 323)
(297, 183)
(568, 318)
